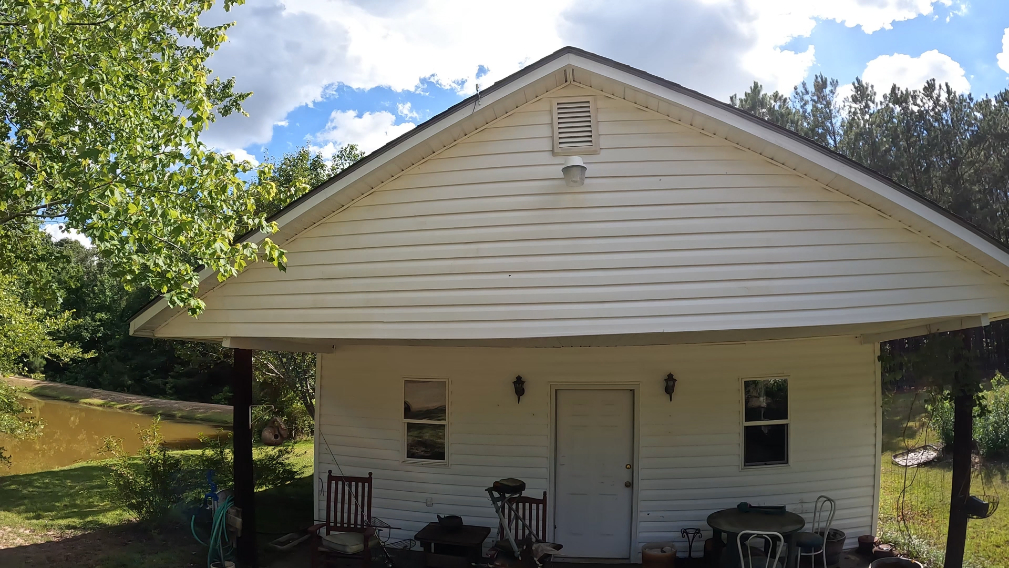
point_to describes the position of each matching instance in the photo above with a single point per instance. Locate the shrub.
(940, 411)
(299, 423)
(991, 428)
(154, 481)
(271, 466)
(991, 419)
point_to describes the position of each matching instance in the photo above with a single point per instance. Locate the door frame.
(635, 389)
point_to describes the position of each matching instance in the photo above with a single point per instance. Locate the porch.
(300, 558)
(437, 425)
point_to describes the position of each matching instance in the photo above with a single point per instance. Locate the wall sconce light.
(520, 387)
(670, 385)
(574, 171)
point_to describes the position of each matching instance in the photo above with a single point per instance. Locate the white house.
(758, 268)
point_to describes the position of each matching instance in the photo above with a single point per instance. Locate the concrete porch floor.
(301, 558)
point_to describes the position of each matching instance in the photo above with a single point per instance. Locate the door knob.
(627, 484)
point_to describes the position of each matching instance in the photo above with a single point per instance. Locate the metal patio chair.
(766, 555)
(815, 542)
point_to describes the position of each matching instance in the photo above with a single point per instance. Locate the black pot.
(450, 523)
(866, 543)
(834, 544)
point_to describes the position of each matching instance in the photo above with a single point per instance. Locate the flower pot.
(658, 555)
(834, 545)
(866, 543)
(894, 563)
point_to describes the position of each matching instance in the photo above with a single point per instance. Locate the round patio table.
(733, 521)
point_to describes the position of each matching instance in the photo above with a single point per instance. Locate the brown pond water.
(75, 432)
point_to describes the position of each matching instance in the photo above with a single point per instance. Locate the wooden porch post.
(963, 442)
(963, 426)
(242, 431)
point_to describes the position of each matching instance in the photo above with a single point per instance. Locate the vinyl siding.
(688, 449)
(674, 230)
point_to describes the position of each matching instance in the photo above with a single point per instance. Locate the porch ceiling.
(866, 333)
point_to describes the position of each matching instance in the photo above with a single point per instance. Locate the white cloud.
(290, 52)
(58, 232)
(280, 123)
(870, 15)
(1003, 57)
(286, 59)
(675, 38)
(243, 156)
(406, 111)
(912, 72)
(370, 131)
(961, 10)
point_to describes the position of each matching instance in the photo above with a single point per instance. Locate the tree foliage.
(299, 171)
(28, 331)
(102, 308)
(16, 421)
(287, 381)
(102, 106)
(78, 281)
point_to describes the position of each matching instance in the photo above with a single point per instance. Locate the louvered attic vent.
(575, 130)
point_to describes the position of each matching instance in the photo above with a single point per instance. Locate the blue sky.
(330, 72)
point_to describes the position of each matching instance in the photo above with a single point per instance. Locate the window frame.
(406, 421)
(743, 424)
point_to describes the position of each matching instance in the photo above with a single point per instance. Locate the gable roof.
(572, 65)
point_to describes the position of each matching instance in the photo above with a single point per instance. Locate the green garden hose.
(220, 547)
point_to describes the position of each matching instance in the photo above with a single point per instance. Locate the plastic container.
(658, 555)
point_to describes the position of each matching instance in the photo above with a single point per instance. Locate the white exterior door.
(595, 453)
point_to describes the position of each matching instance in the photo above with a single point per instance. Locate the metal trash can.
(658, 555)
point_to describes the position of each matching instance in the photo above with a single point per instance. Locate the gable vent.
(575, 130)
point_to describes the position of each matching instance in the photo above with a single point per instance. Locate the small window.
(575, 129)
(425, 419)
(765, 422)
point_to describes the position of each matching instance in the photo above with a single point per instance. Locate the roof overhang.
(574, 66)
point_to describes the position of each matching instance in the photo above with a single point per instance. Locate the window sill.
(429, 463)
(763, 467)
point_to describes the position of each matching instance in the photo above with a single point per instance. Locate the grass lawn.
(926, 503)
(70, 517)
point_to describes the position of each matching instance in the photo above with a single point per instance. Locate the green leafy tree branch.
(102, 107)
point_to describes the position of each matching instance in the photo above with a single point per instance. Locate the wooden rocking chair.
(534, 511)
(348, 532)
